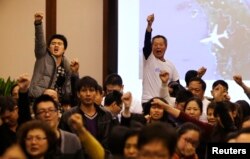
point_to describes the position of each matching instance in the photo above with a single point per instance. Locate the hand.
(201, 71)
(188, 149)
(159, 103)
(127, 99)
(164, 76)
(76, 121)
(23, 82)
(150, 19)
(148, 118)
(38, 16)
(238, 79)
(74, 66)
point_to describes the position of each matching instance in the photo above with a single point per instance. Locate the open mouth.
(56, 49)
(158, 51)
(34, 149)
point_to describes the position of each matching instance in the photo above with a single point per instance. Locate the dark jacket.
(44, 73)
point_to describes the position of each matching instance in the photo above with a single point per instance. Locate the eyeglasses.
(45, 111)
(36, 138)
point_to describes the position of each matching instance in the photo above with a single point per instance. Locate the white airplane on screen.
(214, 37)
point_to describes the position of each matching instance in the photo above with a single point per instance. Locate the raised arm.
(201, 71)
(164, 91)
(239, 81)
(147, 48)
(23, 82)
(74, 67)
(40, 45)
(91, 146)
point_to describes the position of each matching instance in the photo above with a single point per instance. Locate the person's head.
(14, 152)
(15, 91)
(113, 82)
(99, 95)
(66, 103)
(181, 98)
(157, 140)
(224, 113)
(210, 113)
(219, 90)
(53, 93)
(46, 109)
(197, 86)
(175, 88)
(246, 122)
(156, 112)
(188, 135)
(159, 46)
(117, 140)
(57, 45)
(9, 111)
(113, 102)
(86, 90)
(244, 107)
(37, 139)
(189, 75)
(130, 150)
(193, 107)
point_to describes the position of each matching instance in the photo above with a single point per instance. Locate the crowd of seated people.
(58, 114)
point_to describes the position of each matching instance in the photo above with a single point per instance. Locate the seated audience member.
(182, 97)
(226, 123)
(155, 62)
(157, 140)
(116, 142)
(198, 87)
(193, 107)
(13, 114)
(46, 110)
(220, 91)
(130, 149)
(97, 120)
(152, 113)
(37, 140)
(188, 138)
(14, 152)
(239, 81)
(113, 103)
(244, 107)
(210, 113)
(114, 82)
